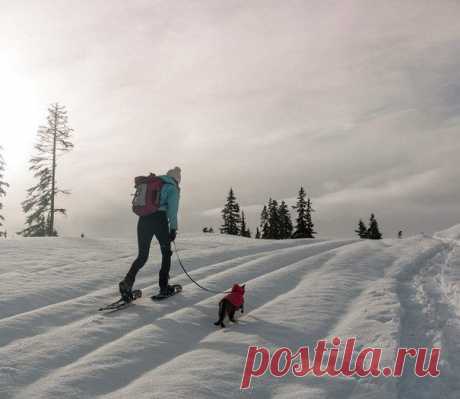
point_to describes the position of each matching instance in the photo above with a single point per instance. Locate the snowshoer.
(163, 225)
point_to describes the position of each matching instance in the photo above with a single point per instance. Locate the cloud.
(358, 102)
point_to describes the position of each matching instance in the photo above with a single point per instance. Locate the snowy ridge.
(388, 293)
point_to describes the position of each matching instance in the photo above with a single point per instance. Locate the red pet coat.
(236, 297)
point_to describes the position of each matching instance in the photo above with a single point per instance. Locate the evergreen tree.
(264, 225)
(285, 221)
(274, 230)
(3, 185)
(257, 233)
(53, 139)
(300, 229)
(242, 224)
(362, 229)
(231, 216)
(244, 231)
(310, 226)
(373, 232)
(304, 225)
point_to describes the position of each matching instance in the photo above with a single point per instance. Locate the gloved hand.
(172, 235)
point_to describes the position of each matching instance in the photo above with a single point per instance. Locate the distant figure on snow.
(163, 225)
(400, 234)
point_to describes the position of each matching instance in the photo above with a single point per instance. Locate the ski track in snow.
(82, 330)
(389, 293)
(431, 320)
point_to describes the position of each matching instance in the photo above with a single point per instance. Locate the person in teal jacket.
(163, 225)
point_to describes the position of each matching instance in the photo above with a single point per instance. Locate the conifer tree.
(300, 229)
(285, 221)
(231, 216)
(310, 226)
(304, 224)
(53, 139)
(362, 229)
(264, 225)
(274, 221)
(373, 231)
(244, 231)
(3, 185)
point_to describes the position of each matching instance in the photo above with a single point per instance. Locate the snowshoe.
(121, 303)
(125, 291)
(170, 291)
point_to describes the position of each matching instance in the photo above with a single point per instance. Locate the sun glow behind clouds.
(19, 114)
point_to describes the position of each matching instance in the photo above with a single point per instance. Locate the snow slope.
(388, 293)
(452, 233)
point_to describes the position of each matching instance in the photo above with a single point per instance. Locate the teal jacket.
(169, 200)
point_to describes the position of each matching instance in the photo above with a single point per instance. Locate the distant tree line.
(40, 205)
(275, 219)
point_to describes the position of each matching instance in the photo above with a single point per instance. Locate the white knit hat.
(174, 173)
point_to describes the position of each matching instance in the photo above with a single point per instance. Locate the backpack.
(147, 196)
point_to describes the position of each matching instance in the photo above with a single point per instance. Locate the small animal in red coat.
(230, 304)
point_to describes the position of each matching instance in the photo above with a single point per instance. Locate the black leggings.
(148, 226)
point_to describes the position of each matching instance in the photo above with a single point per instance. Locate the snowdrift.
(388, 294)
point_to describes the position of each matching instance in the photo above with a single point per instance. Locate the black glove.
(172, 235)
(242, 308)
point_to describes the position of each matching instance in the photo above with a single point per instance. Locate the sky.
(357, 101)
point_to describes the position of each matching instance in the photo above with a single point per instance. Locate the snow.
(452, 233)
(386, 293)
